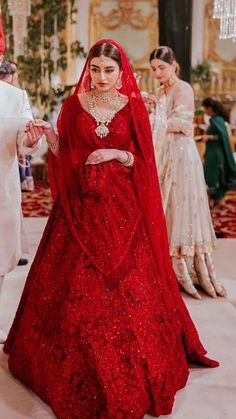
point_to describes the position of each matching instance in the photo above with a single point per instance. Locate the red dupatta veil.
(64, 182)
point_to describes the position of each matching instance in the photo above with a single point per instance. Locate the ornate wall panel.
(133, 23)
(222, 56)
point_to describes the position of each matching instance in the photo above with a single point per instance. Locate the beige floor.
(209, 394)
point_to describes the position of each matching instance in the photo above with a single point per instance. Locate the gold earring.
(92, 85)
(119, 84)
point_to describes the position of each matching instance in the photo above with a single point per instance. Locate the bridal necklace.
(103, 120)
(104, 96)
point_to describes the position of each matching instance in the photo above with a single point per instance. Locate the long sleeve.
(25, 115)
(212, 130)
(180, 119)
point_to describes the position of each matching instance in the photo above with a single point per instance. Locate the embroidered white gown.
(185, 202)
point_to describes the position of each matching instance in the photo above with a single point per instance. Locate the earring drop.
(119, 84)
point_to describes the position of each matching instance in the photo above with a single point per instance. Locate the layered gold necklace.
(103, 120)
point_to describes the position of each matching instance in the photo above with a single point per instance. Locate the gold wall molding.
(126, 14)
(138, 19)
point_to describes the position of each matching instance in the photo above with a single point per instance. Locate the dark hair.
(14, 66)
(165, 54)
(106, 49)
(216, 107)
(6, 69)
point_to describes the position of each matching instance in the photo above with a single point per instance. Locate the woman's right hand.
(45, 128)
(40, 123)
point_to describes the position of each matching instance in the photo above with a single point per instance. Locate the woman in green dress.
(219, 163)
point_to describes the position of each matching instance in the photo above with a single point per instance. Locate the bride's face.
(161, 70)
(104, 73)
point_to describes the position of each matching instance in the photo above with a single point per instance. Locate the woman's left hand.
(106, 154)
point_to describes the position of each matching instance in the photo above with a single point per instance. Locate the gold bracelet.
(53, 146)
(130, 160)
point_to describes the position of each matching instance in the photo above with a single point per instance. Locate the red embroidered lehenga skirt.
(92, 346)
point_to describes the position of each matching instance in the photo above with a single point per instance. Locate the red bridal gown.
(97, 333)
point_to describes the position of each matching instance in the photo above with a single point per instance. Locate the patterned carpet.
(39, 203)
(224, 220)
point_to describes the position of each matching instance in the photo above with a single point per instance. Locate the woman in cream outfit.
(190, 231)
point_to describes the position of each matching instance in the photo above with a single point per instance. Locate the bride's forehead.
(103, 61)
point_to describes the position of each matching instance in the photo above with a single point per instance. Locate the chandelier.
(225, 10)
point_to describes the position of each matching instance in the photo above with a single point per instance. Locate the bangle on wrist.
(130, 160)
(54, 145)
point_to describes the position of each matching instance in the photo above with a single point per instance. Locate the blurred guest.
(219, 163)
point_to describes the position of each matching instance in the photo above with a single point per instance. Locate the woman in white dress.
(190, 231)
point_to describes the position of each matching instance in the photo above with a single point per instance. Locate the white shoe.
(3, 336)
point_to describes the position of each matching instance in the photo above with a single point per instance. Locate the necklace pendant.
(101, 130)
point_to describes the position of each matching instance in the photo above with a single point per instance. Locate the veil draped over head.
(64, 176)
(2, 41)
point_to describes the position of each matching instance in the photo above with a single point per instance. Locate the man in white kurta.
(15, 112)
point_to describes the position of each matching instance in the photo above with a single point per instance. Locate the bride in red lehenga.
(101, 330)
